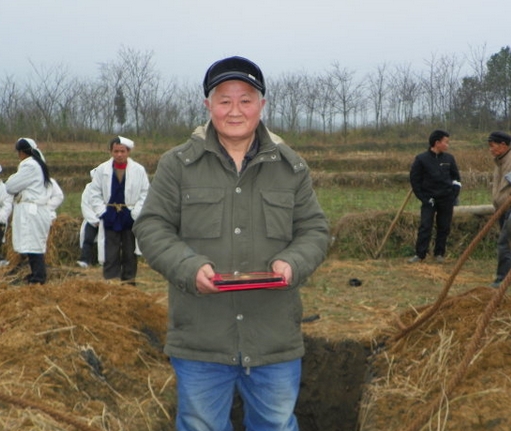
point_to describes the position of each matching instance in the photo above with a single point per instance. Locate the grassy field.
(339, 201)
(356, 178)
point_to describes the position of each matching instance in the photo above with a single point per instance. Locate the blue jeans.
(206, 390)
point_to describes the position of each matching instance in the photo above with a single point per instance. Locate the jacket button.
(237, 231)
(246, 359)
(239, 317)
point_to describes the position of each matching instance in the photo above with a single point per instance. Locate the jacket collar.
(204, 139)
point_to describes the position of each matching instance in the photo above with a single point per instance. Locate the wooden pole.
(393, 224)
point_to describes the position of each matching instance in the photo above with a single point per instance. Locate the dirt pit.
(85, 354)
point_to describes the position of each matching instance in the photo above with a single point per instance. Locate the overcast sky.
(282, 36)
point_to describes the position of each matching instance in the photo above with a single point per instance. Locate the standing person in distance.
(499, 145)
(88, 229)
(435, 181)
(35, 203)
(117, 192)
(5, 213)
(233, 199)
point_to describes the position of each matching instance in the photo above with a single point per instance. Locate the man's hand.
(284, 269)
(203, 281)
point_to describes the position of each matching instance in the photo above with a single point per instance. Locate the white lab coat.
(55, 198)
(5, 207)
(32, 214)
(135, 192)
(5, 204)
(89, 216)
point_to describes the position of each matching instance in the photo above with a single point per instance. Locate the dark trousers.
(441, 215)
(503, 248)
(37, 268)
(89, 237)
(2, 233)
(120, 257)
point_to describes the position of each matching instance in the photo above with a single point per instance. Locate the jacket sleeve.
(97, 200)
(142, 190)
(455, 173)
(311, 236)
(87, 212)
(157, 229)
(416, 176)
(21, 179)
(56, 196)
(5, 204)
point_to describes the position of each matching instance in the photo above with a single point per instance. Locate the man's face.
(120, 153)
(497, 148)
(235, 108)
(442, 145)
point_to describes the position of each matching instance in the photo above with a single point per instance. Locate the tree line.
(130, 96)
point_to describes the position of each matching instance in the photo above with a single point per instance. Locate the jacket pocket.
(278, 214)
(202, 212)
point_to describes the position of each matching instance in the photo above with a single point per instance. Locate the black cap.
(238, 68)
(499, 137)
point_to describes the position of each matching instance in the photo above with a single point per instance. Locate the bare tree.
(289, 104)
(326, 103)
(441, 85)
(94, 107)
(404, 93)
(310, 99)
(190, 106)
(377, 91)
(136, 75)
(472, 104)
(347, 92)
(53, 95)
(11, 104)
(272, 96)
(111, 78)
(157, 108)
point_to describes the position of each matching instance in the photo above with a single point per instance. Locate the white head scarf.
(33, 145)
(127, 142)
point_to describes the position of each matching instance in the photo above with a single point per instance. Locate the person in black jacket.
(435, 181)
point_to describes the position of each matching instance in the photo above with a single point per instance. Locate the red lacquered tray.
(251, 280)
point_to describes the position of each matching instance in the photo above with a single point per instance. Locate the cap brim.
(235, 75)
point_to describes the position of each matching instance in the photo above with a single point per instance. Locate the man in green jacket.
(234, 199)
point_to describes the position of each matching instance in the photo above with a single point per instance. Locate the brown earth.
(80, 353)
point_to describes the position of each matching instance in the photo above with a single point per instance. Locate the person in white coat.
(117, 192)
(5, 213)
(88, 229)
(55, 198)
(36, 198)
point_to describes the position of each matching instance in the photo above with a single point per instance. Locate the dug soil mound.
(430, 377)
(90, 350)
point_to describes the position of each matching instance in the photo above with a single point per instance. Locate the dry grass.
(417, 370)
(94, 360)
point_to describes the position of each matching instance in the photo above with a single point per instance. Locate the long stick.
(393, 224)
